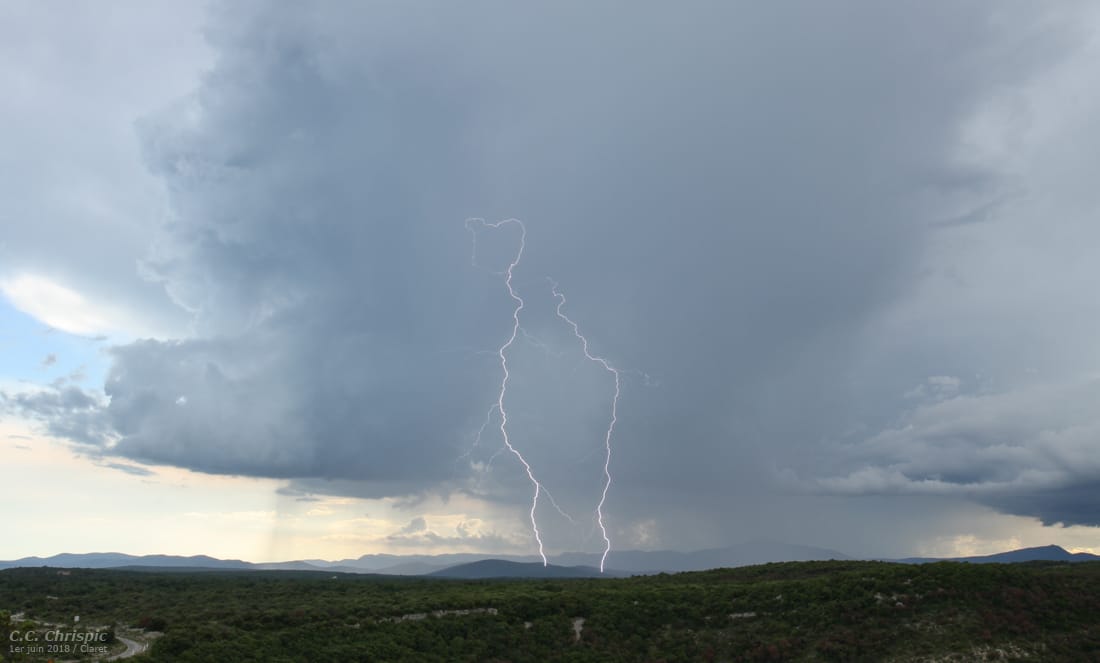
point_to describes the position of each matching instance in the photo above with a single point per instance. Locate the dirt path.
(133, 648)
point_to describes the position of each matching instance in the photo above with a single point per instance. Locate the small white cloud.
(55, 305)
(644, 533)
(63, 308)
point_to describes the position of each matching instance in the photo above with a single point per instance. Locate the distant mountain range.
(112, 560)
(623, 561)
(1038, 554)
(573, 565)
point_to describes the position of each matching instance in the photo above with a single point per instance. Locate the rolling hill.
(500, 568)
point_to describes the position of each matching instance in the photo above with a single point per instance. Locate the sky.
(841, 255)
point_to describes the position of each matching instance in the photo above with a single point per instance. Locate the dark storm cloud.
(1031, 451)
(283, 401)
(729, 193)
(66, 412)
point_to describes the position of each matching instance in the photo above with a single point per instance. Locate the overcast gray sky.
(844, 255)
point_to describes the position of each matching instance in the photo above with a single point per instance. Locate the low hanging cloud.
(471, 534)
(415, 525)
(1029, 451)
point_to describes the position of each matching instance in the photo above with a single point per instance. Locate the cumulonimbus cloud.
(732, 195)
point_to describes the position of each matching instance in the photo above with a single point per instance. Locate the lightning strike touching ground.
(502, 352)
(610, 426)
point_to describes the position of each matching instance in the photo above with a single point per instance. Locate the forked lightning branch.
(478, 225)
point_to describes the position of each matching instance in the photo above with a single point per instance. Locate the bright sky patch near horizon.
(845, 253)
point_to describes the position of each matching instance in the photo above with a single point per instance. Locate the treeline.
(826, 611)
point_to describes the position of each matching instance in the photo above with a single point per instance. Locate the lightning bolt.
(611, 424)
(489, 463)
(502, 352)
